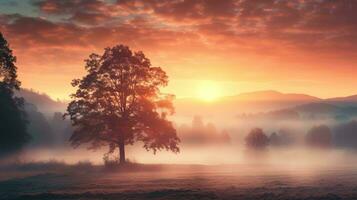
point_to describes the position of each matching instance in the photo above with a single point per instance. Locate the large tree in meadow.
(118, 102)
(13, 132)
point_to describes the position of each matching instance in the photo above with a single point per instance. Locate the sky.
(208, 48)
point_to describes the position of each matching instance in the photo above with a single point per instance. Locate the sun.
(208, 91)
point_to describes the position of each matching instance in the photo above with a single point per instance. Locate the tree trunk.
(122, 153)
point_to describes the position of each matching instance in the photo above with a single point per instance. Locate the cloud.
(32, 32)
(87, 12)
(40, 42)
(69, 6)
(235, 24)
(49, 34)
(192, 37)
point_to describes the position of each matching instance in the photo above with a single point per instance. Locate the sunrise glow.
(208, 91)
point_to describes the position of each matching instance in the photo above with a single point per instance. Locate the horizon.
(210, 100)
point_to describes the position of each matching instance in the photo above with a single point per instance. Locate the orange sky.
(232, 46)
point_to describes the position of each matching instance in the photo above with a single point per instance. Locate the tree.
(200, 133)
(62, 129)
(119, 102)
(284, 137)
(13, 133)
(39, 129)
(319, 136)
(256, 139)
(275, 139)
(346, 134)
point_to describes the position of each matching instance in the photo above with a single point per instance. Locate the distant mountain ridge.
(347, 98)
(250, 102)
(272, 95)
(263, 95)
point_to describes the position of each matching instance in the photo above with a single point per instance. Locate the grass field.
(55, 181)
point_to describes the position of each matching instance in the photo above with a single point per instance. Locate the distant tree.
(225, 137)
(256, 139)
(287, 136)
(197, 123)
(274, 139)
(346, 134)
(284, 137)
(119, 102)
(13, 133)
(319, 136)
(200, 133)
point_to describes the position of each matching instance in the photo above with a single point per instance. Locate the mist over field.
(215, 160)
(214, 133)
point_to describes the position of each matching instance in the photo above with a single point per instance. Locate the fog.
(297, 134)
(265, 155)
(211, 143)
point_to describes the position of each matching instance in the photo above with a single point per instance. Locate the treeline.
(13, 120)
(47, 131)
(322, 136)
(202, 133)
(21, 123)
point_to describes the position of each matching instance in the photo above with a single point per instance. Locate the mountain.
(343, 101)
(230, 106)
(323, 110)
(271, 95)
(352, 98)
(252, 102)
(320, 107)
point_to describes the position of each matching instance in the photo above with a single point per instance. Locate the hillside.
(42, 101)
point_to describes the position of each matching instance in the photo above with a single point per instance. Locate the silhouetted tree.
(200, 133)
(256, 139)
(346, 134)
(225, 137)
(119, 102)
(13, 133)
(197, 123)
(274, 139)
(284, 137)
(319, 136)
(62, 128)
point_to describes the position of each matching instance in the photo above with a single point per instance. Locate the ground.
(177, 182)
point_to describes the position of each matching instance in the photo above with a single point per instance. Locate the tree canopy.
(13, 132)
(256, 139)
(319, 136)
(119, 102)
(345, 134)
